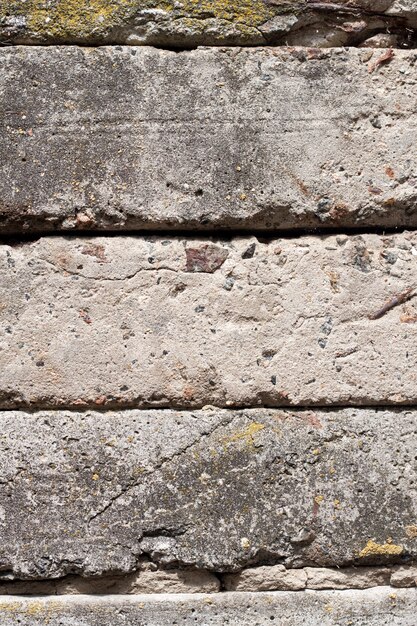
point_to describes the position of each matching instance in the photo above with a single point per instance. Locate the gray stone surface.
(195, 22)
(92, 493)
(141, 138)
(314, 608)
(165, 322)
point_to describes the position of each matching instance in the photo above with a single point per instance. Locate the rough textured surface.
(278, 578)
(147, 579)
(348, 578)
(404, 577)
(144, 581)
(208, 22)
(113, 138)
(150, 578)
(94, 493)
(154, 322)
(379, 607)
(267, 578)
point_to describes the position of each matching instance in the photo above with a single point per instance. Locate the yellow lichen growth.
(411, 531)
(377, 549)
(31, 609)
(245, 543)
(318, 499)
(77, 20)
(68, 18)
(249, 12)
(34, 608)
(246, 435)
(10, 607)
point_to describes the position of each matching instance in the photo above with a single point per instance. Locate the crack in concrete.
(222, 234)
(62, 270)
(159, 466)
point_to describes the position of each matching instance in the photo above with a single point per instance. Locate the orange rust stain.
(85, 316)
(312, 419)
(188, 392)
(96, 251)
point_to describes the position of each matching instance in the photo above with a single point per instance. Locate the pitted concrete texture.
(209, 22)
(314, 608)
(127, 138)
(164, 322)
(94, 493)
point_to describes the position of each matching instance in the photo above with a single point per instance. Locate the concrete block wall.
(208, 313)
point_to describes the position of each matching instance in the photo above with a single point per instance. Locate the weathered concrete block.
(147, 579)
(212, 138)
(323, 608)
(279, 578)
(92, 493)
(347, 578)
(404, 577)
(151, 322)
(193, 22)
(269, 578)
